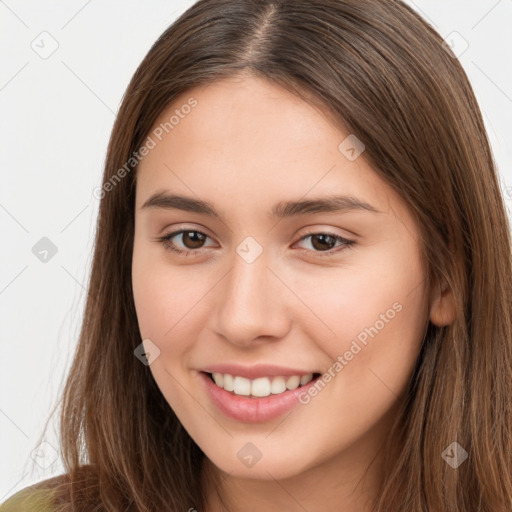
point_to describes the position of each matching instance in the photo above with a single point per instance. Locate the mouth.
(262, 386)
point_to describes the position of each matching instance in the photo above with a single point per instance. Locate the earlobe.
(442, 309)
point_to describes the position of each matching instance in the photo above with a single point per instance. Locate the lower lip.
(253, 410)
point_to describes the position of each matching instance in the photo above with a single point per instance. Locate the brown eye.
(323, 244)
(191, 241)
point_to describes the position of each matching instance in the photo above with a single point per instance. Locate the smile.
(262, 386)
(250, 408)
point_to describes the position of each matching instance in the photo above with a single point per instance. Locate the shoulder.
(54, 493)
(30, 500)
(38, 497)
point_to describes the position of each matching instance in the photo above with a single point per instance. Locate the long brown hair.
(377, 68)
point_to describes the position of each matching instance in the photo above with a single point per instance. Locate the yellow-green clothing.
(30, 499)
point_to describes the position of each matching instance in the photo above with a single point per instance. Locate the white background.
(57, 114)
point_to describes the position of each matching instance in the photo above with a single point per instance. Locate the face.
(273, 292)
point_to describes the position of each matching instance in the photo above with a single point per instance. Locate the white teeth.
(293, 382)
(278, 385)
(228, 382)
(242, 386)
(260, 387)
(219, 379)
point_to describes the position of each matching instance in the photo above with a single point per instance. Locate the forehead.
(250, 139)
(248, 113)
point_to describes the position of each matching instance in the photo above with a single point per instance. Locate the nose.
(252, 303)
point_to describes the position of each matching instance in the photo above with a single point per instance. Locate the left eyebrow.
(281, 210)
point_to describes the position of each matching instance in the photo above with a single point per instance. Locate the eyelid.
(326, 230)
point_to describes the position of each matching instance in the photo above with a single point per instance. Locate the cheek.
(377, 314)
(170, 305)
(163, 307)
(165, 314)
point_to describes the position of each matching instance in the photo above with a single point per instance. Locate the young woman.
(301, 290)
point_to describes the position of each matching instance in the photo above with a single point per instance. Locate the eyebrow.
(281, 210)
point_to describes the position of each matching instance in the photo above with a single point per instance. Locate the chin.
(273, 466)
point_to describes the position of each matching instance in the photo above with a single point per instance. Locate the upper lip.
(255, 371)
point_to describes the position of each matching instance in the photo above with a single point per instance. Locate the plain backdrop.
(64, 68)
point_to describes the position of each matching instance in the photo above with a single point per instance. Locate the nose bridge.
(249, 303)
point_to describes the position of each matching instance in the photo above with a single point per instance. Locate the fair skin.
(247, 145)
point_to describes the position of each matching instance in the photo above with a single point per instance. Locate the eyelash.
(165, 241)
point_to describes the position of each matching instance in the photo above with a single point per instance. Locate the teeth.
(228, 383)
(293, 382)
(306, 378)
(278, 385)
(219, 379)
(242, 386)
(260, 387)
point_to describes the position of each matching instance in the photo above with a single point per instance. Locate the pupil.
(193, 234)
(323, 237)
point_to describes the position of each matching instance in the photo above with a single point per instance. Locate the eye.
(191, 238)
(193, 241)
(325, 242)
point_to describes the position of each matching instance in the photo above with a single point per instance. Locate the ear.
(442, 310)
